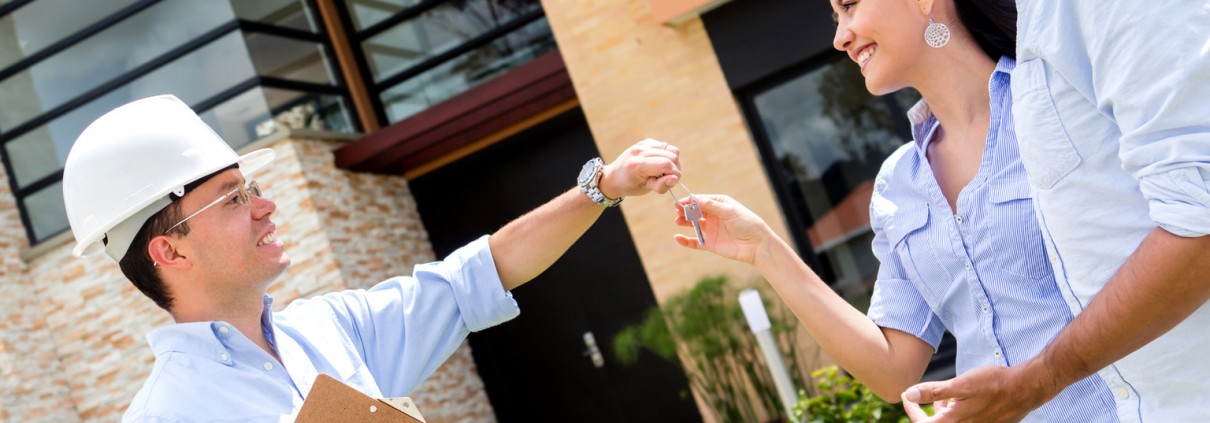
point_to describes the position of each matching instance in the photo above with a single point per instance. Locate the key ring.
(693, 213)
(677, 200)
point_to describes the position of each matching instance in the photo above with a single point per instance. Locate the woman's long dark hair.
(993, 23)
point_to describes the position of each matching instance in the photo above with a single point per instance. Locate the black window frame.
(319, 36)
(797, 217)
(357, 38)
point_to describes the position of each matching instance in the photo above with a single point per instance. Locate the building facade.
(406, 128)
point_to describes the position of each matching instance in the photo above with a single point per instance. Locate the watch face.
(586, 173)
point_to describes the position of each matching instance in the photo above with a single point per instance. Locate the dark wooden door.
(534, 367)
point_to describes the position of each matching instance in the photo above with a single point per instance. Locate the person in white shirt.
(1112, 107)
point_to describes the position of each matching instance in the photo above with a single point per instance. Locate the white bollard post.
(758, 321)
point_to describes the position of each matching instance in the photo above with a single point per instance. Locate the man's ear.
(925, 7)
(163, 251)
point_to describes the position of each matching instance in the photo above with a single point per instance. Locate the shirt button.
(985, 309)
(1053, 257)
(223, 330)
(997, 353)
(223, 357)
(959, 219)
(268, 366)
(968, 265)
(1123, 393)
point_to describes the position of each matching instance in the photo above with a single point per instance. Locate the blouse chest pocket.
(916, 248)
(1014, 241)
(1046, 150)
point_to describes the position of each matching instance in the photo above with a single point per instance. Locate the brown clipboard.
(333, 401)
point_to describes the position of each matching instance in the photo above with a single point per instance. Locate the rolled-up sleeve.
(1156, 88)
(406, 327)
(896, 302)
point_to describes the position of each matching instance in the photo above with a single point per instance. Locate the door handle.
(593, 351)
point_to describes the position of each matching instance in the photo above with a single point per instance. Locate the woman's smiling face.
(884, 37)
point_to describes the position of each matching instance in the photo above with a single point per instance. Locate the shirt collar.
(209, 339)
(922, 119)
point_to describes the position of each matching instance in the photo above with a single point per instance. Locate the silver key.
(693, 213)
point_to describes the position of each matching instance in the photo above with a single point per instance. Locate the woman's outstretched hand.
(730, 229)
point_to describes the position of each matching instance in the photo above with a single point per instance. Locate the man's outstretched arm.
(1161, 284)
(527, 246)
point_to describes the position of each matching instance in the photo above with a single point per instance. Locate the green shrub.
(706, 329)
(840, 398)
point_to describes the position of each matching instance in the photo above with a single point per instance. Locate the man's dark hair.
(993, 23)
(137, 264)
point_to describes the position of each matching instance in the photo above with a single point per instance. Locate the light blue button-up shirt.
(982, 272)
(383, 342)
(1112, 103)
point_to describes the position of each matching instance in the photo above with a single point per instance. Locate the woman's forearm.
(886, 360)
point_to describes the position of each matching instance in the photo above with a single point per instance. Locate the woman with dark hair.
(953, 218)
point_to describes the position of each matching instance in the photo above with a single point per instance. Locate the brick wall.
(637, 78)
(32, 383)
(72, 334)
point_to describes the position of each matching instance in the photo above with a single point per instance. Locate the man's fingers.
(662, 184)
(931, 391)
(913, 409)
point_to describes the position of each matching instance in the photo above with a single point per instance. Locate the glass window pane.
(111, 53)
(437, 30)
(33, 156)
(260, 112)
(195, 77)
(239, 119)
(289, 59)
(830, 136)
(46, 212)
(36, 25)
(311, 111)
(366, 13)
(285, 13)
(467, 71)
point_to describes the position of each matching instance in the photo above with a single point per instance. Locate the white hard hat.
(122, 168)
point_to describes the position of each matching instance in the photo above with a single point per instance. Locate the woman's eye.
(847, 6)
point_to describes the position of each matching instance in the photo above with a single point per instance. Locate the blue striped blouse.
(980, 273)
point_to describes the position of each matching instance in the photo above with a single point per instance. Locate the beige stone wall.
(637, 78)
(73, 331)
(32, 383)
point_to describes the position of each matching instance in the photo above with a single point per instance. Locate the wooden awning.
(520, 94)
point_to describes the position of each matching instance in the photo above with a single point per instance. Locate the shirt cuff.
(896, 304)
(476, 285)
(1179, 201)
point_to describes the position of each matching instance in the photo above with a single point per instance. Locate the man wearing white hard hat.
(153, 187)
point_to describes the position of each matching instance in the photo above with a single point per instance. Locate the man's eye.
(847, 6)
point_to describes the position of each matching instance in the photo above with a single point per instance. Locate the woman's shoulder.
(897, 167)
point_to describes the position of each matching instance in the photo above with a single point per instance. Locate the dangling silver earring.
(937, 35)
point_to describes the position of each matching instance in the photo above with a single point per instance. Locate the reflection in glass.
(830, 137)
(32, 156)
(285, 13)
(260, 112)
(467, 71)
(438, 30)
(37, 25)
(111, 53)
(366, 13)
(194, 78)
(46, 213)
(289, 59)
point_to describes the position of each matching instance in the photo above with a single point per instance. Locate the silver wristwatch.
(590, 175)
